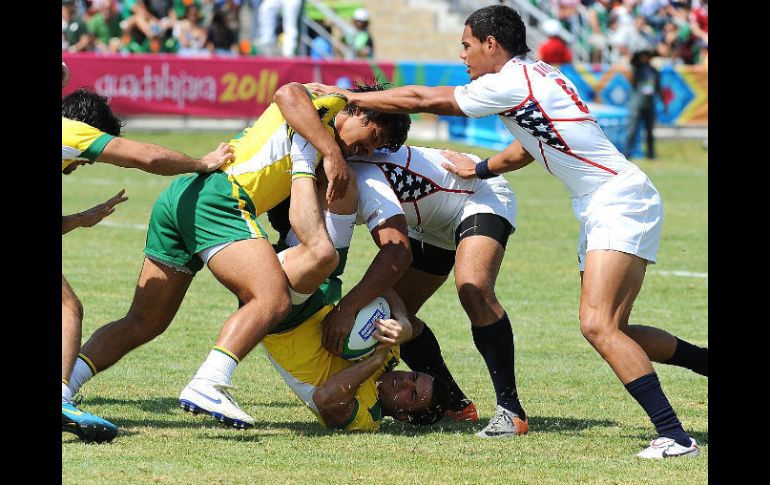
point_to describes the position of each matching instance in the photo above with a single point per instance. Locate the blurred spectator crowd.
(203, 27)
(676, 32)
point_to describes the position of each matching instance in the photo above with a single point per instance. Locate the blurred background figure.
(189, 32)
(74, 33)
(361, 39)
(630, 35)
(290, 12)
(103, 25)
(554, 50)
(320, 47)
(646, 86)
(220, 39)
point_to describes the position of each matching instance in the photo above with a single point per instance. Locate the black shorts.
(439, 261)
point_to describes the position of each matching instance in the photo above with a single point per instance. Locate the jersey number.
(572, 94)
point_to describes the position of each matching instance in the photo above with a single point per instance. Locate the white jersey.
(543, 111)
(412, 182)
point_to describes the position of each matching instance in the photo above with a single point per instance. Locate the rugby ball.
(360, 343)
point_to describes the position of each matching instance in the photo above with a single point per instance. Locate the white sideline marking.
(141, 227)
(687, 274)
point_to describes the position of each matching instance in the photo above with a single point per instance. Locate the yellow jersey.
(80, 140)
(266, 151)
(304, 364)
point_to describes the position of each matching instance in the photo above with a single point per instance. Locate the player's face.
(359, 137)
(406, 392)
(475, 55)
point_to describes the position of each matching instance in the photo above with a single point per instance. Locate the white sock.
(218, 367)
(81, 373)
(66, 392)
(339, 226)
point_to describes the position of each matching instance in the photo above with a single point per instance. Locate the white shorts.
(624, 214)
(493, 196)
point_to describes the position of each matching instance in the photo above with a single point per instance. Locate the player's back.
(424, 188)
(262, 161)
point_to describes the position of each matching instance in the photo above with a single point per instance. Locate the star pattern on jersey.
(408, 186)
(536, 124)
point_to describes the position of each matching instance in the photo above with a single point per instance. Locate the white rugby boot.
(204, 396)
(668, 448)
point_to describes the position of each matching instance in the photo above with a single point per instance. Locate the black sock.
(423, 354)
(495, 343)
(648, 393)
(691, 357)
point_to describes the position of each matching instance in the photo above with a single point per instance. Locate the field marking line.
(687, 274)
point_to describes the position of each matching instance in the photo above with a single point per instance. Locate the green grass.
(584, 428)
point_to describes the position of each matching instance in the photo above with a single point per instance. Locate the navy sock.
(648, 393)
(691, 357)
(423, 354)
(495, 343)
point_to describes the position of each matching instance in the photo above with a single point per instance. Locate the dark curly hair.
(90, 108)
(504, 24)
(438, 406)
(396, 126)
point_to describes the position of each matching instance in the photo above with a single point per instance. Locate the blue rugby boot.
(88, 427)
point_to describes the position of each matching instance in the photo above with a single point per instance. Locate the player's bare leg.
(71, 328)
(308, 263)
(610, 284)
(477, 265)
(159, 293)
(250, 269)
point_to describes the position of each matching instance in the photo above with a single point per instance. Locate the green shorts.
(196, 212)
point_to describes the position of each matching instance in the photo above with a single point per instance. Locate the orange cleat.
(468, 413)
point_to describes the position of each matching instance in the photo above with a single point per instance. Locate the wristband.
(482, 170)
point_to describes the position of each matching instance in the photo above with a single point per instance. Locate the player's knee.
(326, 256)
(72, 306)
(475, 295)
(593, 327)
(276, 303)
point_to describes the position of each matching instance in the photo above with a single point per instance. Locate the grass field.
(584, 427)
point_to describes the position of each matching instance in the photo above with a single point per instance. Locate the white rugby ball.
(360, 343)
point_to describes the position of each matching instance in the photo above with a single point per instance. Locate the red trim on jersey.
(545, 160)
(568, 151)
(417, 212)
(408, 156)
(406, 169)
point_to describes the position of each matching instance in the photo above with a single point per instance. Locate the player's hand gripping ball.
(360, 343)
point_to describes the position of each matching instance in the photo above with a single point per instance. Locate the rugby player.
(90, 134)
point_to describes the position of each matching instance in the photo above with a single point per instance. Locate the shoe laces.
(500, 419)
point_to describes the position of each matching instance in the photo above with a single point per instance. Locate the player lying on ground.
(425, 221)
(90, 134)
(619, 209)
(212, 219)
(344, 394)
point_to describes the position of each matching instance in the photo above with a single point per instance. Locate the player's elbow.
(286, 92)
(398, 255)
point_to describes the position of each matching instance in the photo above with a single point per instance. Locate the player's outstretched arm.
(438, 100)
(512, 158)
(335, 398)
(300, 113)
(160, 160)
(390, 263)
(92, 216)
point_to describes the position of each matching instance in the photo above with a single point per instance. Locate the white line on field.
(142, 227)
(687, 274)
